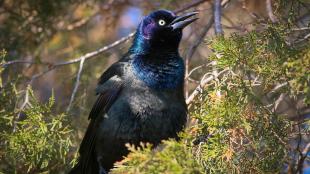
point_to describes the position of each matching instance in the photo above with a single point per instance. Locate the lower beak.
(182, 21)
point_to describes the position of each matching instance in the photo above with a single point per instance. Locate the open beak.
(182, 21)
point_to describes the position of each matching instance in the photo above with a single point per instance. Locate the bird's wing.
(109, 86)
(107, 93)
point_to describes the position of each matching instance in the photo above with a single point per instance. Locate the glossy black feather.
(140, 97)
(88, 162)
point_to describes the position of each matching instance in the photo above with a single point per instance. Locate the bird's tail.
(77, 169)
(87, 162)
(90, 168)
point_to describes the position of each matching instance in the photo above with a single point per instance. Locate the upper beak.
(182, 21)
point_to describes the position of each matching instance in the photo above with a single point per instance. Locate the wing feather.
(106, 97)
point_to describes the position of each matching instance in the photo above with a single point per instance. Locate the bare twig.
(76, 86)
(96, 52)
(21, 108)
(196, 68)
(84, 57)
(306, 149)
(190, 5)
(81, 22)
(90, 55)
(193, 80)
(193, 48)
(272, 17)
(303, 39)
(215, 72)
(217, 17)
(278, 101)
(202, 84)
(301, 159)
(276, 88)
(17, 62)
(73, 61)
(34, 77)
(124, 39)
(201, 37)
(301, 29)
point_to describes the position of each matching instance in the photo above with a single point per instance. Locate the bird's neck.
(144, 46)
(160, 70)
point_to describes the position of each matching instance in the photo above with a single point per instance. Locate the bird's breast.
(159, 72)
(158, 114)
(143, 114)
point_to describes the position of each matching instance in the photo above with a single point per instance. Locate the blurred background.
(39, 38)
(49, 32)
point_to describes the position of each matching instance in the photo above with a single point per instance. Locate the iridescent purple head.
(161, 29)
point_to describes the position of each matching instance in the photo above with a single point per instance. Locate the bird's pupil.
(162, 22)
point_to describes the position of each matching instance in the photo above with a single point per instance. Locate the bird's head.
(161, 29)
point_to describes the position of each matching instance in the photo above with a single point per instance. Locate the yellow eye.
(161, 22)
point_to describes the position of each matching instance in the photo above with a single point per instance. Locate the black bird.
(140, 97)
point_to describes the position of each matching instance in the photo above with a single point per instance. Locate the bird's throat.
(160, 71)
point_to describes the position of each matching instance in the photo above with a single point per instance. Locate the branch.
(301, 29)
(276, 89)
(16, 62)
(76, 86)
(93, 54)
(84, 57)
(96, 52)
(201, 37)
(193, 48)
(21, 108)
(123, 39)
(80, 23)
(190, 5)
(272, 17)
(217, 17)
(34, 77)
(303, 39)
(202, 84)
(90, 55)
(198, 67)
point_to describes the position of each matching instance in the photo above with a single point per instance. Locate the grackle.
(140, 97)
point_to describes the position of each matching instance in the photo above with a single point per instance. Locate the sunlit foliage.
(236, 129)
(35, 140)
